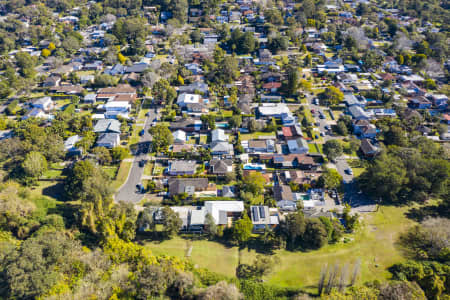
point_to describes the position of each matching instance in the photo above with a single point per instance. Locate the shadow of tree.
(430, 211)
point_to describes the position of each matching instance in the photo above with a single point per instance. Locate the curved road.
(128, 192)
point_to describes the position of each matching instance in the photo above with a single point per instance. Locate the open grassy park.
(372, 245)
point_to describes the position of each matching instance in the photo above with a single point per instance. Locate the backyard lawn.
(255, 135)
(372, 246)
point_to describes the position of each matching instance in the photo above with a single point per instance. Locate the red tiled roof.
(287, 131)
(272, 85)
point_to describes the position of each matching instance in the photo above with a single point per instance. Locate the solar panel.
(262, 213)
(255, 214)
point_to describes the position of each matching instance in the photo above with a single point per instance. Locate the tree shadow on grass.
(431, 211)
(55, 191)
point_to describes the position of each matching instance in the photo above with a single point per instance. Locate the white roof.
(269, 109)
(188, 98)
(218, 135)
(215, 207)
(179, 135)
(112, 104)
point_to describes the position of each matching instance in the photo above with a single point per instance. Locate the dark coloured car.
(142, 132)
(142, 163)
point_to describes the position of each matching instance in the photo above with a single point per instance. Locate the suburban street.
(129, 192)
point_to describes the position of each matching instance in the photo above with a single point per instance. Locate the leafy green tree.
(210, 226)
(293, 81)
(254, 183)
(332, 149)
(315, 235)
(242, 229)
(292, 228)
(330, 179)
(332, 95)
(119, 153)
(162, 137)
(34, 164)
(171, 222)
(39, 263)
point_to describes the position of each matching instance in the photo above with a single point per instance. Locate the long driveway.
(128, 192)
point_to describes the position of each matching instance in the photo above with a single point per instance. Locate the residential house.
(52, 81)
(420, 103)
(107, 125)
(182, 167)
(218, 135)
(283, 193)
(108, 140)
(221, 166)
(90, 98)
(69, 145)
(358, 113)
(68, 89)
(291, 132)
(225, 212)
(259, 146)
(221, 148)
(187, 125)
(228, 191)
(114, 109)
(364, 129)
(85, 79)
(179, 137)
(44, 103)
(195, 87)
(186, 185)
(137, 68)
(263, 217)
(298, 146)
(276, 110)
(184, 99)
(368, 149)
(351, 100)
(36, 113)
(439, 100)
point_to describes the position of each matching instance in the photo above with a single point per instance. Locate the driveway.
(128, 192)
(352, 195)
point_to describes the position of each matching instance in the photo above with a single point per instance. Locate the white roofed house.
(182, 167)
(113, 109)
(275, 110)
(225, 212)
(218, 135)
(184, 99)
(69, 145)
(44, 103)
(179, 137)
(298, 146)
(221, 148)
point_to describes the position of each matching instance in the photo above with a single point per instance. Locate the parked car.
(142, 132)
(349, 171)
(142, 163)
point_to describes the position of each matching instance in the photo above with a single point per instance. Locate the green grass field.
(255, 135)
(372, 245)
(122, 174)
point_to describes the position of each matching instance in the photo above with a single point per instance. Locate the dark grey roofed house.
(186, 185)
(51, 81)
(228, 191)
(107, 125)
(221, 166)
(283, 193)
(108, 140)
(358, 113)
(367, 148)
(193, 87)
(136, 68)
(182, 167)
